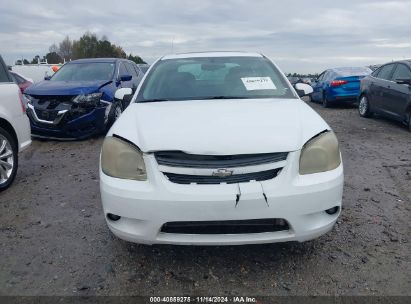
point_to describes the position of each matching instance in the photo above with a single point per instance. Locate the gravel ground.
(54, 240)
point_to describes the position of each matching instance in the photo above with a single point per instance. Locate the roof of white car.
(211, 54)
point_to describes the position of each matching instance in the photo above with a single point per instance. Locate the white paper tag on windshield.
(258, 83)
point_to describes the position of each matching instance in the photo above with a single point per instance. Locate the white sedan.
(219, 149)
(14, 127)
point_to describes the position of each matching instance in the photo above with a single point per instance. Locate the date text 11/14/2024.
(203, 299)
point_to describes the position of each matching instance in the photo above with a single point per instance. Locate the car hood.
(65, 87)
(220, 127)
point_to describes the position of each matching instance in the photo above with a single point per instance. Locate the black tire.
(364, 107)
(409, 122)
(311, 98)
(8, 144)
(325, 102)
(115, 112)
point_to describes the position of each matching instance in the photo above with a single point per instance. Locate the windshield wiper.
(154, 100)
(195, 98)
(222, 97)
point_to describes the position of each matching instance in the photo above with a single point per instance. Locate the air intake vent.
(207, 179)
(184, 160)
(226, 227)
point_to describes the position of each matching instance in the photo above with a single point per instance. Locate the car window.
(214, 77)
(375, 73)
(17, 79)
(352, 71)
(385, 72)
(87, 71)
(123, 70)
(3, 74)
(144, 68)
(138, 70)
(328, 76)
(321, 77)
(132, 69)
(401, 72)
(14, 78)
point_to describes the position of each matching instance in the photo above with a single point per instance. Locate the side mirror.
(303, 89)
(125, 77)
(120, 93)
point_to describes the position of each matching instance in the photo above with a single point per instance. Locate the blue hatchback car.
(78, 100)
(338, 85)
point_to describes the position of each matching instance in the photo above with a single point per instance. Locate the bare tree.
(66, 49)
(53, 48)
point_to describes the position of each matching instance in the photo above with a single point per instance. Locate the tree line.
(88, 46)
(302, 75)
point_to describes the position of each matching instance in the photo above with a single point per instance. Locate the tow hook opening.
(113, 217)
(332, 210)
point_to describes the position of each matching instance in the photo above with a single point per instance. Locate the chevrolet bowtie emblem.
(223, 173)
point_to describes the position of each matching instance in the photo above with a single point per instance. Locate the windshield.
(214, 78)
(88, 71)
(354, 71)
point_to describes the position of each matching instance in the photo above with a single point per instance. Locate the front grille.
(237, 178)
(184, 160)
(226, 227)
(48, 107)
(49, 115)
(53, 100)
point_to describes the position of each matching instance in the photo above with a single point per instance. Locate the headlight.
(29, 99)
(93, 98)
(122, 160)
(320, 154)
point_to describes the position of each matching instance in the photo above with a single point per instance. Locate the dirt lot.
(54, 240)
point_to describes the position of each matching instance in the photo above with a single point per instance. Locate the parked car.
(293, 80)
(387, 91)
(218, 149)
(21, 81)
(306, 80)
(35, 72)
(78, 100)
(143, 67)
(338, 85)
(14, 127)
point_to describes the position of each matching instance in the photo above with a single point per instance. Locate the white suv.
(14, 127)
(218, 149)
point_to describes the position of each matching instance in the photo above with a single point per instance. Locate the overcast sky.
(301, 36)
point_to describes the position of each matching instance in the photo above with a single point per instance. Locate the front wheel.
(311, 98)
(8, 159)
(364, 107)
(325, 102)
(115, 113)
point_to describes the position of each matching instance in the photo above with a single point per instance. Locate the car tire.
(364, 107)
(115, 113)
(409, 123)
(311, 98)
(325, 102)
(8, 159)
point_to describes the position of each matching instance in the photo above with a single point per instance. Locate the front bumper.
(67, 126)
(146, 206)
